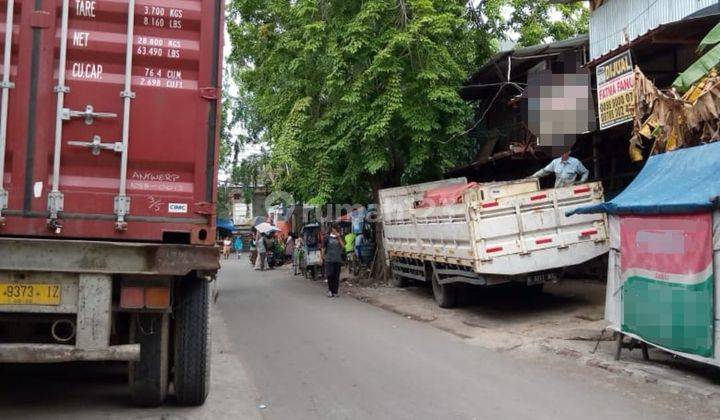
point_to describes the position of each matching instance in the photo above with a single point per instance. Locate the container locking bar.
(55, 197)
(5, 85)
(122, 201)
(88, 114)
(97, 145)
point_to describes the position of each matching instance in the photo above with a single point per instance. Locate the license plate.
(29, 294)
(540, 278)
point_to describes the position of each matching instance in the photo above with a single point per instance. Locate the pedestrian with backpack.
(331, 254)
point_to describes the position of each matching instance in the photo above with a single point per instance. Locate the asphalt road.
(282, 350)
(311, 357)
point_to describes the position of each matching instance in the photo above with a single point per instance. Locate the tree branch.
(404, 19)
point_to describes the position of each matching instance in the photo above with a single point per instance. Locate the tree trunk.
(378, 270)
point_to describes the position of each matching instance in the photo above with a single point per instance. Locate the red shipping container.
(86, 108)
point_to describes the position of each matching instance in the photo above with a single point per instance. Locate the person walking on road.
(331, 254)
(270, 248)
(566, 169)
(349, 247)
(359, 243)
(226, 247)
(289, 248)
(253, 249)
(298, 256)
(238, 245)
(260, 245)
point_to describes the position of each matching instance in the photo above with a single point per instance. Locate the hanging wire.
(487, 109)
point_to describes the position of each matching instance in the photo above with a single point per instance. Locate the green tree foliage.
(537, 22)
(354, 95)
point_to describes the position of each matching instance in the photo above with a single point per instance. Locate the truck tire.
(148, 377)
(445, 294)
(398, 281)
(191, 372)
(534, 290)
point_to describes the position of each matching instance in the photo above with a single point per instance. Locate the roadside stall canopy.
(225, 225)
(681, 181)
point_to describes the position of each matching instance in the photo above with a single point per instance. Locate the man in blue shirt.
(566, 169)
(238, 245)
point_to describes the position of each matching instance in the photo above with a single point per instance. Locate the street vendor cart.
(665, 255)
(310, 263)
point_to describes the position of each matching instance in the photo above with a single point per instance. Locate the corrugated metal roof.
(556, 47)
(618, 22)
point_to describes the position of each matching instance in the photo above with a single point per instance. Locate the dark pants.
(332, 272)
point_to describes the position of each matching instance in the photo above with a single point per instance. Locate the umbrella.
(265, 228)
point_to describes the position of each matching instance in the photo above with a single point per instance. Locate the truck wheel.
(192, 342)
(148, 377)
(398, 281)
(445, 294)
(534, 290)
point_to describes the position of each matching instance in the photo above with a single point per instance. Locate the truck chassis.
(93, 319)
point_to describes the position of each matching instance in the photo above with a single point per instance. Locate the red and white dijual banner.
(666, 272)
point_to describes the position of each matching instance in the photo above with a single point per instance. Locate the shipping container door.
(162, 114)
(116, 90)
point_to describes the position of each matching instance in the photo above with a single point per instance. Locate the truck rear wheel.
(192, 342)
(398, 281)
(534, 290)
(445, 294)
(148, 377)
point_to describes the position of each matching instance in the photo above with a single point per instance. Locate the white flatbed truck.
(451, 231)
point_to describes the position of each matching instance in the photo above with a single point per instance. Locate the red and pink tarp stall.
(665, 254)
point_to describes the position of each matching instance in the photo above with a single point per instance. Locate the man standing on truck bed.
(566, 169)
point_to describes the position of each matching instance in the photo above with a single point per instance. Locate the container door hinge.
(55, 206)
(3, 205)
(40, 19)
(209, 93)
(205, 208)
(122, 209)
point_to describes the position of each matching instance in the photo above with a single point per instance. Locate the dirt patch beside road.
(565, 322)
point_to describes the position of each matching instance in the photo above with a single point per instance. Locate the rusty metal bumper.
(73, 256)
(58, 353)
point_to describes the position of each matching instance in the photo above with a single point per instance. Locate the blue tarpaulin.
(225, 224)
(682, 181)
